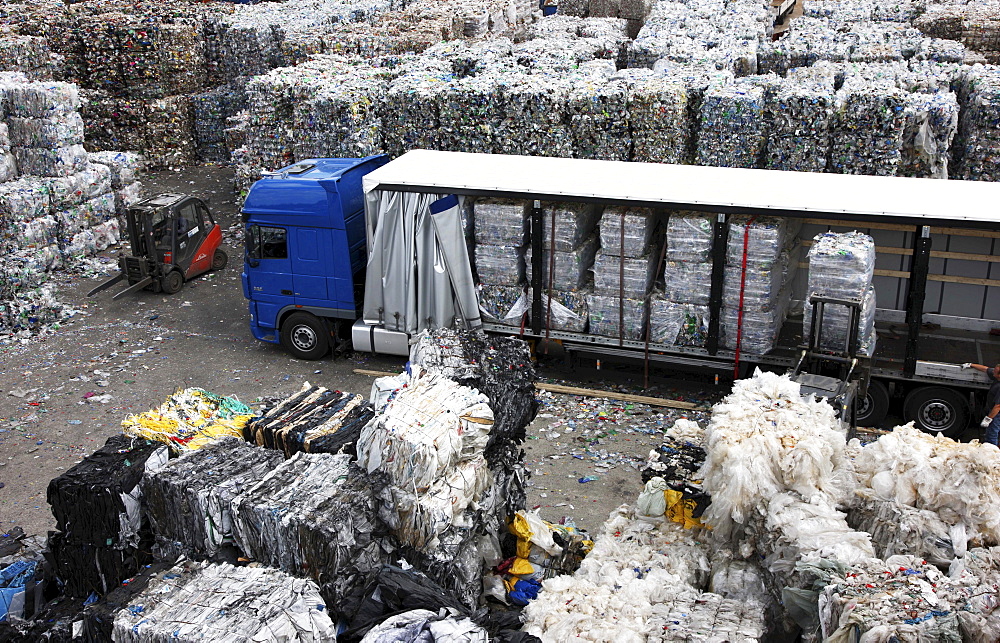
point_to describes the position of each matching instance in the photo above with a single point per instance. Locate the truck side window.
(265, 242)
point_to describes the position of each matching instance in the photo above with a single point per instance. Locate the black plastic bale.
(87, 500)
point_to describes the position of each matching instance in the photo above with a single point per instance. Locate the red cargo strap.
(743, 284)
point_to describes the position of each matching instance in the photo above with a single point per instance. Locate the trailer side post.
(719, 243)
(536, 267)
(919, 267)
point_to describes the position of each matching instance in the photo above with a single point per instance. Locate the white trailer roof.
(719, 189)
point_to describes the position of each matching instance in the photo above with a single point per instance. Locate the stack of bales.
(500, 234)
(626, 265)
(680, 316)
(101, 535)
(841, 265)
(569, 247)
(760, 262)
(125, 168)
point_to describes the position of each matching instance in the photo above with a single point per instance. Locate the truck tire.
(304, 336)
(172, 282)
(219, 259)
(873, 408)
(937, 409)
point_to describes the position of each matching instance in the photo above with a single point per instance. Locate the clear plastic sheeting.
(500, 222)
(678, 324)
(316, 514)
(424, 624)
(931, 124)
(565, 270)
(313, 420)
(500, 265)
(502, 304)
(190, 419)
(245, 604)
(639, 225)
(606, 318)
(573, 225)
(621, 275)
(188, 499)
(896, 528)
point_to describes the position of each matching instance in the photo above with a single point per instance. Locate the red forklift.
(174, 238)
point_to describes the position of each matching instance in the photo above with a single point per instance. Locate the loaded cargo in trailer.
(693, 267)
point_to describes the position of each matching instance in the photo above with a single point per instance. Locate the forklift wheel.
(304, 336)
(172, 282)
(219, 260)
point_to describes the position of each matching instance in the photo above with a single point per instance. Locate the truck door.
(268, 272)
(310, 266)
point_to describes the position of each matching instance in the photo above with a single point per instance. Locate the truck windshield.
(265, 242)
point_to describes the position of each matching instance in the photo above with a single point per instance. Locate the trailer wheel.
(304, 336)
(172, 282)
(937, 409)
(874, 406)
(219, 259)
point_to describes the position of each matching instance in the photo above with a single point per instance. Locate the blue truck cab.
(306, 252)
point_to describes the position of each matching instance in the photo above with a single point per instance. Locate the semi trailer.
(366, 253)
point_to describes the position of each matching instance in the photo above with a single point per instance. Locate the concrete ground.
(139, 349)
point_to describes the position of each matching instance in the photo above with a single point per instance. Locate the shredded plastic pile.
(190, 419)
(314, 420)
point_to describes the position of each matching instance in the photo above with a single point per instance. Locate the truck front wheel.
(937, 409)
(304, 336)
(873, 408)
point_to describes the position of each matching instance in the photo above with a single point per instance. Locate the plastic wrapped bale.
(190, 419)
(535, 116)
(902, 598)
(627, 231)
(690, 236)
(428, 428)
(867, 132)
(800, 117)
(605, 312)
(835, 325)
(502, 304)
(42, 99)
(500, 265)
(937, 474)
(619, 275)
(754, 331)
(687, 282)
(316, 514)
(500, 222)
(247, 603)
(63, 130)
(573, 225)
(565, 270)
(841, 264)
(188, 499)
(210, 111)
(731, 130)
(86, 568)
(498, 367)
(314, 420)
(760, 289)
(931, 124)
(678, 324)
(768, 237)
(98, 501)
(25, 199)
